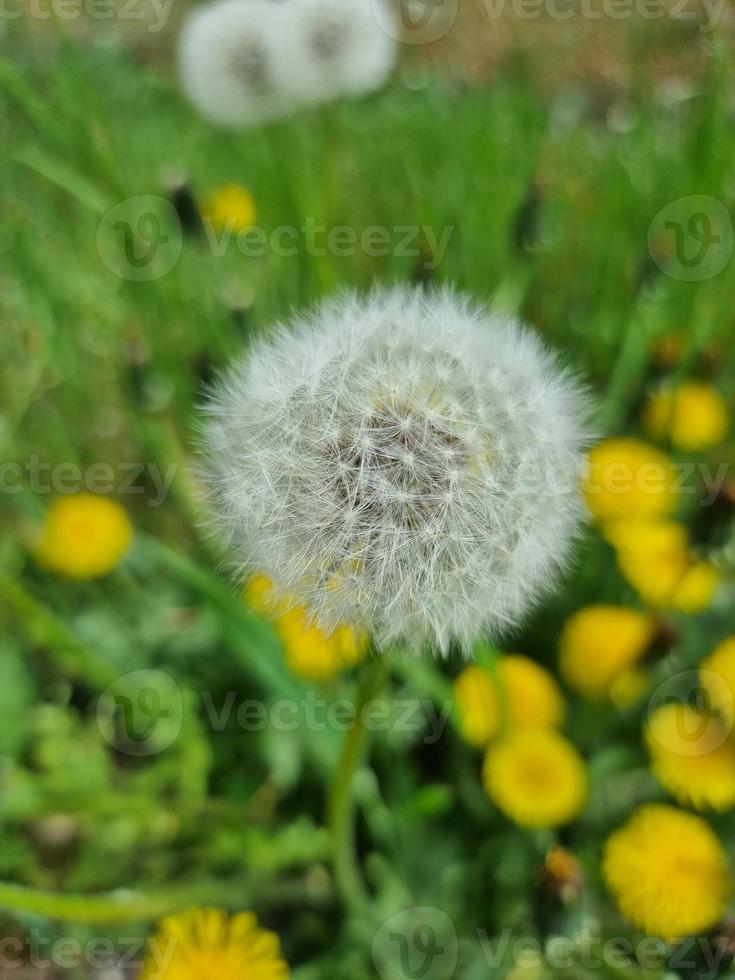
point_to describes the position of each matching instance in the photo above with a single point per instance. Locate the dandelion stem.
(123, 906)
(341, 805)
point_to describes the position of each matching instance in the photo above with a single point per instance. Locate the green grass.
(549, 210)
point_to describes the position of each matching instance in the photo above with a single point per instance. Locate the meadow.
(158, 751)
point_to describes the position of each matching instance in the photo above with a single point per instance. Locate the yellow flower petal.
(205, 943)
(692, 417)
(536, 777)
(599, 643)
(628, 480)
(85, 536)
(667, 871)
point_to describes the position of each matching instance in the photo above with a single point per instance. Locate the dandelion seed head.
(227, 56)
(378, 488)
(336, 48)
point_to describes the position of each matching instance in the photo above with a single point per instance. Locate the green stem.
(341, 803)
(122, 906)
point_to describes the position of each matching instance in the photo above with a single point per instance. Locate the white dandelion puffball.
(243, 62)
(227, 56)
(405, 463)
(335, 48)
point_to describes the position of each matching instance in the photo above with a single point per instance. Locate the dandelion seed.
(307, 439)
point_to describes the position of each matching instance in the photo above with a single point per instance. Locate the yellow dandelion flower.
(476, 699)
(231, 208)
(667, 871)
(654, 557)
(314, 656)
(717, 676)
(599, 643)
(204, 943)
(536, 777)
(310, 653)
(697, 588)
(84, 536)
(520, 695)
(628, 480)
(692, 417)
(260, 596)
(691, 756)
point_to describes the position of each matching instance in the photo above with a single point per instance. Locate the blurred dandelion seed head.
(244, 62)
(227, 51)
(335, 48)
(405, 463)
